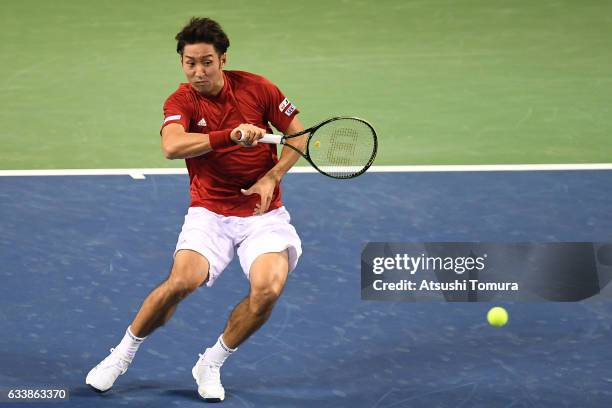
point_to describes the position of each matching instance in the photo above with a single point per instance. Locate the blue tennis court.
(80, 253)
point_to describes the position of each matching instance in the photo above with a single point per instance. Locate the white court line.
(140, 173)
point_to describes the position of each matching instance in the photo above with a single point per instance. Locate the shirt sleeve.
(280, 111)
(177, 110)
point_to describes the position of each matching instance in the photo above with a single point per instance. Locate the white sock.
(218, 353)
(129, 344)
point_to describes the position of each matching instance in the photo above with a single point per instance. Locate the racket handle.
(268, 138)
(271, 139)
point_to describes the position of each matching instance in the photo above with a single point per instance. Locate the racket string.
(343, 148)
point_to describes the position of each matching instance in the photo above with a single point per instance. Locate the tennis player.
(214, 122)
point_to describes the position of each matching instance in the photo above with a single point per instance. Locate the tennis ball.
(317, 144)
(497, 317)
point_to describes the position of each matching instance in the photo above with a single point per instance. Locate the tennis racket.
(342, 147)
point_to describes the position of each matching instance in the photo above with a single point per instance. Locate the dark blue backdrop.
(79, 254)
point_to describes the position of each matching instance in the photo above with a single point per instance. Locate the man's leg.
(268, 275)
(189, 271)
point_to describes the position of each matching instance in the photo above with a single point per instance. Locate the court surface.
(79, 254)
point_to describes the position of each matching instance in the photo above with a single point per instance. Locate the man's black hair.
(202, 30)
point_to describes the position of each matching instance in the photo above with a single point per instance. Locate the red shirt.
(216, 177)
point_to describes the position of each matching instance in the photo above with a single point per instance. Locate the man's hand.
(247, 134)
(265, 188)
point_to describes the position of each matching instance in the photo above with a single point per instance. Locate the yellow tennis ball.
(317, 144)
(497, 316)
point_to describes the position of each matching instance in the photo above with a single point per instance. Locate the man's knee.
(268, 276)
(190, 271)
(178, 287)
(261, 301)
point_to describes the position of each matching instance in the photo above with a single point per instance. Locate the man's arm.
(265, 186)
(289, 156)
(178, 144)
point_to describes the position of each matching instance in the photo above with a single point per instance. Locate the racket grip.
(271, 139)
(268, 138)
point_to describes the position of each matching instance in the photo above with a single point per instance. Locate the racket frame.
(311, 132)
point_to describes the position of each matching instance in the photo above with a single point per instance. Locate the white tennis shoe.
(103, 376)
(208, 377)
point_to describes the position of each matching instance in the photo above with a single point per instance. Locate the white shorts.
(217, 237)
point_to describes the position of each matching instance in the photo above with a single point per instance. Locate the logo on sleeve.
(283, 104)
(173, 117)
(202, 122)
(290, 110)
